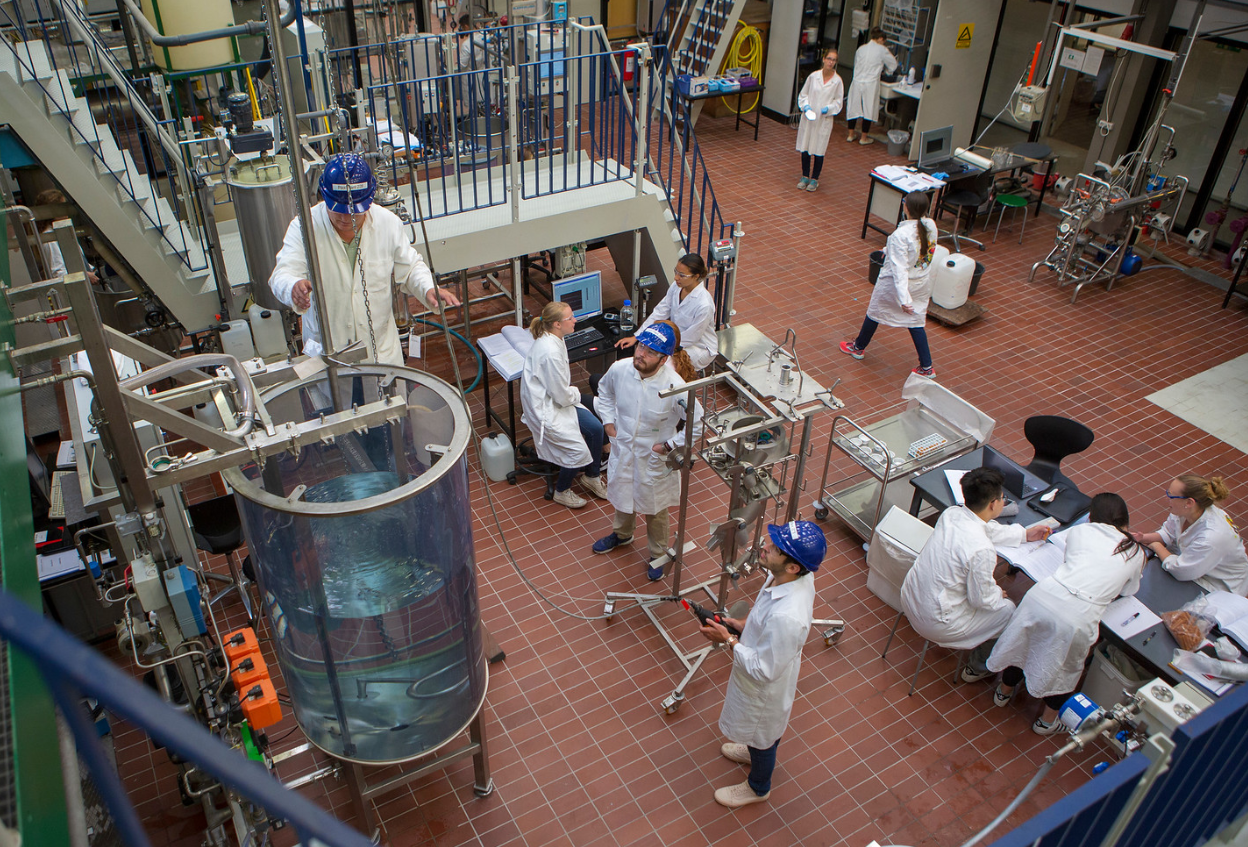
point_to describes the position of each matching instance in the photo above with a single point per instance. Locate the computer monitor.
(582, 292)
(935, 146)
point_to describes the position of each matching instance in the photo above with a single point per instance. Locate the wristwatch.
(731, 642)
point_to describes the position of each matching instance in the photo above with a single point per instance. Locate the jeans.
(918, 335)
(762, 763)
(591, 431)
(1012, 676)
(811, 168)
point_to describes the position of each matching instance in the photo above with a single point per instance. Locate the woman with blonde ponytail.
(1198, 541)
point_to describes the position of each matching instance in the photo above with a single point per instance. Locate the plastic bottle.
(910, 76)
(628, 317)
(497, 458)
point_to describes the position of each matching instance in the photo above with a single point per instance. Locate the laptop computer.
(1018, 484)
(936, 153)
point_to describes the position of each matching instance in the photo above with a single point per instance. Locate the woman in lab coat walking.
(870, 61)
(820, 102)
(904, 285)
(564, 432)
(1047, 641)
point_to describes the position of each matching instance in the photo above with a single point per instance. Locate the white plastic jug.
(266, 331)
(236, 340)
(953, 281)
(498, 460)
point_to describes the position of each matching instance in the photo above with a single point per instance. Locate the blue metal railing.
(62, 32)
(72, 670)
(1204, 790)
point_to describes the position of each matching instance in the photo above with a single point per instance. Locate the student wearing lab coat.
(1198, 541)
(1048, 640)
(691, 308)
(904, 285)
(820, 102)
(870, 62)
(950, 596)
(564, 433)
(643, 428)
(359, 247)
(768, 657)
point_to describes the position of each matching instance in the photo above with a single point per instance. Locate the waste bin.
(877, 262)
(979, 271)
(1109, 674)
(897, 140)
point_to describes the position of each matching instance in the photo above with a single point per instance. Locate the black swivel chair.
(1054, 438)
(527, 462)
(219, 530)
(966, 195)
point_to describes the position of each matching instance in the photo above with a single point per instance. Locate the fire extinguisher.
(630, 65)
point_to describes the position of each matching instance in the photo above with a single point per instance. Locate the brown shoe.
(736, 796)
(734, 752)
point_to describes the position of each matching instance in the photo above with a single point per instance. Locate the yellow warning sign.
(965, 31)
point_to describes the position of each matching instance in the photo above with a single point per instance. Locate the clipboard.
(1069, 504)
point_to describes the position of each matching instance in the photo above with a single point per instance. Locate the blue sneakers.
(655, 573)
(606, 545)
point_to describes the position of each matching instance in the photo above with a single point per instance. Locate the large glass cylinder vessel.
(362, 546)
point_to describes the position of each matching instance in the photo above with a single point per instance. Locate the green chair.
(1014, 202)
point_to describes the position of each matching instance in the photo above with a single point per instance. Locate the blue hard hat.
(801, 541)
(659, 338)
(348, 184)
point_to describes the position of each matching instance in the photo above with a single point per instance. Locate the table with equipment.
(689, 99)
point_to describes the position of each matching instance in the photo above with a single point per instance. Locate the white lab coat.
(549, 402)
(766, 663)
(812, 136)
(1210, 552)
(870, 60)
(1059, 619)
(694, 317)
(949, 596)
(638, 479)
(906, 278)
(386, 251)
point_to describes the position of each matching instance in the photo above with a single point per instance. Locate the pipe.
(206, 360)
(155, 36)
(471, 348)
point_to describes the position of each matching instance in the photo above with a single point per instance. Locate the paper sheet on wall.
(1127, 616)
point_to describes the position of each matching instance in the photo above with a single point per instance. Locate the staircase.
(129, 207)
(698, 35)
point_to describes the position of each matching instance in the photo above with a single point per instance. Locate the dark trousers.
(762, 764)
(918, 335)
(591, 431)
(1012, 676)
(812, 166)
(866, 125)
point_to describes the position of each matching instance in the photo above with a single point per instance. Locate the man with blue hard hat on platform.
(360, 247)
(767, 658)
(643, 428)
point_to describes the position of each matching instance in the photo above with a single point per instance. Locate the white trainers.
(736, 796)
(853, 136)
(866, 139)
(734, 752)
(595, 486)
(572, 501)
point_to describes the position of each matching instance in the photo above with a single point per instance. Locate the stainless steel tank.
(264, 203)
(363, 553)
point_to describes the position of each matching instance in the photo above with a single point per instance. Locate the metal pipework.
(153, 34)
(207, 360)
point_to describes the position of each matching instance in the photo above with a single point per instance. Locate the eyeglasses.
(684, 276)
(1176, 496)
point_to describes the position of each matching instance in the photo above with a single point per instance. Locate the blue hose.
(471, 348)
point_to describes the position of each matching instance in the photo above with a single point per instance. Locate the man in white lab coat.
(863, 101)
(360, 247)
(643, 428)
(767, 658)
(950, 596)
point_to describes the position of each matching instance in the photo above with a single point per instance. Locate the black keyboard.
(582, 337)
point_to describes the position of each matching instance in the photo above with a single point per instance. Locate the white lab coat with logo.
(638, 479)
(694, 317)
(870, 60)
(812, 136)
(1059, 619)
(1210, 552)
(949, 596)
(549, 402)
(386, 252)
(766, 663)
(906, 278)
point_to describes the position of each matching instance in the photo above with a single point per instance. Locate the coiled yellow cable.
(746, 51)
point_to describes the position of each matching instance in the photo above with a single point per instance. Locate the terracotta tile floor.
(580, 751)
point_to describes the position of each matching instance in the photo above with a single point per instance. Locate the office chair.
(957, 672)
(527, 462)
(218, 530)
(1054, 438)
(962, 195)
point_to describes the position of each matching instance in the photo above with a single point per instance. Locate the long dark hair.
(917, 204)
(1109, 508)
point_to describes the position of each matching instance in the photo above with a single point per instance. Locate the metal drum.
(363, 552)
(264, 203)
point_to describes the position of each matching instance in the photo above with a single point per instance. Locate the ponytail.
(551, 314)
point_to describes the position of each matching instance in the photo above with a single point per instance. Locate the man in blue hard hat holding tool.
(767, 658)
(360, 247)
